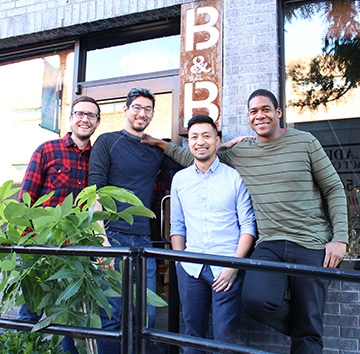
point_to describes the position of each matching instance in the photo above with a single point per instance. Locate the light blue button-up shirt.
(211, 210)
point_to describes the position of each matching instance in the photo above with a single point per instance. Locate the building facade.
(52, 51)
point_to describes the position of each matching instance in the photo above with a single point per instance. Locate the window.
(322, 51)
(35, 93)
(136, 58)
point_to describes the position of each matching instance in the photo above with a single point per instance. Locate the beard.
(202, 158)
(84, 136)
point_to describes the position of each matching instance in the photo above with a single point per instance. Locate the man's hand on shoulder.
(148, 139)
(229, 144)
(335, 252)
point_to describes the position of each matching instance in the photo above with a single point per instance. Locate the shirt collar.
(212, 168)
(132, 136)
(68, 141)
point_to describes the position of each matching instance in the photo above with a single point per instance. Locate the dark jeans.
(26, 315)
(301, 314)
(108, 347)
(196, 296)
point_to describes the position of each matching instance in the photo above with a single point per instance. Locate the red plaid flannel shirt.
(56, 165)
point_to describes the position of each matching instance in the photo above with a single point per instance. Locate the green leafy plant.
(19, 342)
(68, 289)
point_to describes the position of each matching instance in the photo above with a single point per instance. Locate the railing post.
(141, 290)
(127, 306)
(174, 305)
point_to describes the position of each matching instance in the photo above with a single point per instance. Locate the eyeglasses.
(137, 108)
(81, 115)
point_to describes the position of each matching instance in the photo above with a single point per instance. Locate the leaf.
(98, 294)
(35, 213)
(112, 293)
(43, 199)
(57, 212)
(126, 216)
(45, 301)
(29, 348)
(67, 205)
(77, 265)
(86, 196)
(71, 290)
(91, 213)
(45, 322)
(114, 274)
(20, 301)
(27, 290)
(120, 194)
(6, 190)
(6, 265)
(14, 209)
(108, 203)
(65, 273)
(140, 210)
(154, 299)
(95, 321)
(9, 264)
(80, 345)
(26, 199)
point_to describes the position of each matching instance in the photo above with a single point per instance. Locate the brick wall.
(250, 58)
(341, 325)
(21, 17)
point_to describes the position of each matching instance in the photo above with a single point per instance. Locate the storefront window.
(134, 58)
(35, 96)
(113, 117)
(322, 51)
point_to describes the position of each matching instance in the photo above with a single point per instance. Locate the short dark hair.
(86, 99)
(139, 92)
(200, 119)
(265, 93)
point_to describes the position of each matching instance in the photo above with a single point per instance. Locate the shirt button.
(79, 182)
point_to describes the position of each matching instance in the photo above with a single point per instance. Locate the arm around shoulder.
(150, 140)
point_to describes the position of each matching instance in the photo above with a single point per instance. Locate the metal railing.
(138, 256)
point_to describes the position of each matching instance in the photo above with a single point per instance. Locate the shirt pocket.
(59, 176)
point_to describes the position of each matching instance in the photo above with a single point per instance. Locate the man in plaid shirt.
(61, 166)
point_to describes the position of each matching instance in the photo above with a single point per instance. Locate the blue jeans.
(26, 315)
(196, 297)
(299, 315)
(107, 347)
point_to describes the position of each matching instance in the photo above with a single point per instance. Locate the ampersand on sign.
(199, 65)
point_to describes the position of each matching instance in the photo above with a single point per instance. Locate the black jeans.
(299, 316)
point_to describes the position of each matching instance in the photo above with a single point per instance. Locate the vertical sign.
(201, 62)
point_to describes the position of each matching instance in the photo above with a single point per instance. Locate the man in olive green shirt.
(286, 172)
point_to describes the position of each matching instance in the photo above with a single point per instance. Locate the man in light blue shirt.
(211, 212)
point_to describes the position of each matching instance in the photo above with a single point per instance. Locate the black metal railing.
(138, 256)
